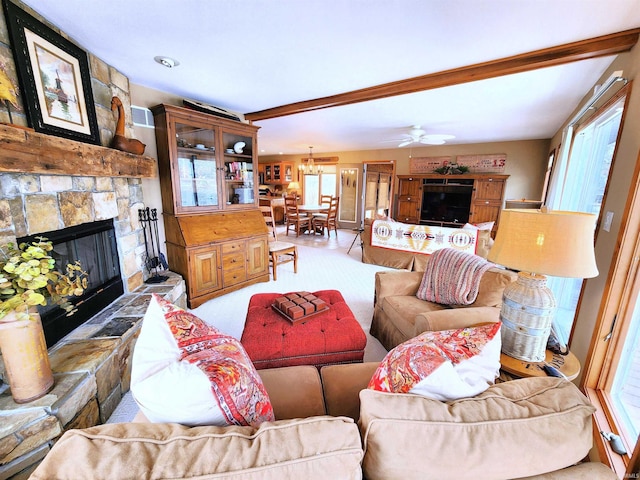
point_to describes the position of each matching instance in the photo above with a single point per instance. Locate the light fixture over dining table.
(309, 167)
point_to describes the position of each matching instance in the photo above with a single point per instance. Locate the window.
(612, 372)
(317, 184)
(585, 175)
(625, 388)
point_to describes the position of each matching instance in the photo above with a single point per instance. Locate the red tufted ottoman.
(330, 337)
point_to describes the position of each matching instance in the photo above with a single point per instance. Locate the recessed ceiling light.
(167, 61)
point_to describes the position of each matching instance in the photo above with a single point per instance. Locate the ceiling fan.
(418, 135)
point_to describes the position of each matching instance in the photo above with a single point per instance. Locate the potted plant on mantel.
(28, 278)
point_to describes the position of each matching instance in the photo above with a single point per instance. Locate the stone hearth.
(92, 370)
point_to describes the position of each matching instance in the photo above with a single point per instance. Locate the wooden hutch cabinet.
(450, 200)
(216, 236)
(279, 173)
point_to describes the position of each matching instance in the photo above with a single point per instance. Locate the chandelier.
(309, 167)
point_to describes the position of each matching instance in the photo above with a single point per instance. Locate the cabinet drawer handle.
(491, 179)
(408, 199)
(486, 203)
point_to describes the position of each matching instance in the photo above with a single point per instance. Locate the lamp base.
(528, 307)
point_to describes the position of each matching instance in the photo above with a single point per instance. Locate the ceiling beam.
(570, 52)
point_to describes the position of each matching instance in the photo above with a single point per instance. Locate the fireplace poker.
(161, 257)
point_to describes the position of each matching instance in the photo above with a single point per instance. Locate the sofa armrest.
(453, 318)
(396, 283)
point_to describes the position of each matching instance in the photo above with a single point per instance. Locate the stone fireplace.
(49, 184)
(94, 245)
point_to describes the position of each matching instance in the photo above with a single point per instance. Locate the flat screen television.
(446, 203)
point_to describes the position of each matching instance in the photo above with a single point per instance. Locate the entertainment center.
(450, 200)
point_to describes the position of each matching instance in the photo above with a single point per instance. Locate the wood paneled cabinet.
(487, 200)
(450, 200)
(409, 199)
(279, 173)
(205, 163)
(216, 235)
(217, 253)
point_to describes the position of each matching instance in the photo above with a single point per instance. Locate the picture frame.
(54, 77)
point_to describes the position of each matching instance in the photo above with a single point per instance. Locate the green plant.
(28, 278)
(452, 169)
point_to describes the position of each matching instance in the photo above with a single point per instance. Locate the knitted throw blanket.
(452, 277)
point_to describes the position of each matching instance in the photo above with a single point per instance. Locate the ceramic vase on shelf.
(25, 357)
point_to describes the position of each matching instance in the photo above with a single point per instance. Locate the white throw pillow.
(186, 371)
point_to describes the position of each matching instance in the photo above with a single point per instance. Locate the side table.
(568, 364)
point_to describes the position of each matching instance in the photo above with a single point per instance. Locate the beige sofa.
(399, 315)
(538, 428)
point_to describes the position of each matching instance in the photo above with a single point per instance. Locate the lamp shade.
(556, 243)
(293, 186)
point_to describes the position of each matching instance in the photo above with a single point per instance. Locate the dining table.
(312, 208)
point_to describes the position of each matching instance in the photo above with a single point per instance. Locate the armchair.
(399, 315)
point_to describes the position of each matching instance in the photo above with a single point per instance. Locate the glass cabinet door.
(197, 184)
(238, 168)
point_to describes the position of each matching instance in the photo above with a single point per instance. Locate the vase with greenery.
(28, 278)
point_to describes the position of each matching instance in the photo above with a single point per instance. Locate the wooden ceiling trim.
(611, 44)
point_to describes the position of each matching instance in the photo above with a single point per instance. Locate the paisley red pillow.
(186, 371)
(444, 365)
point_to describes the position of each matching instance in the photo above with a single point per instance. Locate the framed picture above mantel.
(55, 81)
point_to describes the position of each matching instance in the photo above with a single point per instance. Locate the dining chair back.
(329, 220)
(326, 200)
(267, 214)
(279, 252)
(298, 221)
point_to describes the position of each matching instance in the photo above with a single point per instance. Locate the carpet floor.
(323, 264)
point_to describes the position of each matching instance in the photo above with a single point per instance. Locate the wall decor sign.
(493, 163)
(54, 78)
(427, 164)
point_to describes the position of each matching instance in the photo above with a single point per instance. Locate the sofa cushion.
(186, 371)
(513, 429)
(443, 365)
(341, 385)
(312, 448)
(295, 392)
(484, 241)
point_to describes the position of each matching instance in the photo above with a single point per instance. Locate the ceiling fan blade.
(431, 141)
(437, 136)
(405, 143)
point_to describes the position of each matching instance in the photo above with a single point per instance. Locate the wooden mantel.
(25, 151)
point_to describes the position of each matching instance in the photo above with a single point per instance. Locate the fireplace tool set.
(154, 259)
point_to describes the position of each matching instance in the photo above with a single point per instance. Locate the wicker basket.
(527, 312)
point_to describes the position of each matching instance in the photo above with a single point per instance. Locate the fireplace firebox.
(94, 246)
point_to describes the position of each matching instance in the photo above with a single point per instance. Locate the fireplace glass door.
(94, 246)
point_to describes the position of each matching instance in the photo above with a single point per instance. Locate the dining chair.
(327, 220)
(299, 221)
(279, 252)
(326, 200)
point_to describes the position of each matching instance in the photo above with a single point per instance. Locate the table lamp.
(538, 243)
